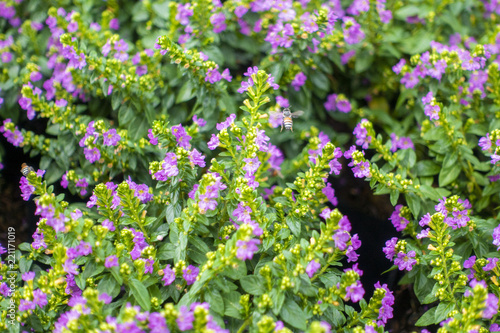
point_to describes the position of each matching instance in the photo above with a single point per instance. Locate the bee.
(287, 116)
(26, 169)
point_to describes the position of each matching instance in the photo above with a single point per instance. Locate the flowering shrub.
(191, 211)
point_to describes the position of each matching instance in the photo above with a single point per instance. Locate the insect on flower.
(26, 169)
(287, 116)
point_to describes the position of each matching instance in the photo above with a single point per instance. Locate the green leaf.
(140, 293)
(449, 174)
(294, 225)
(109, 286)
(427, 168)
(214, 298)
(442, 311)
(450, 159)
(427, 318)
(232, 305)
(413, 202)
(253, 284)
(394, 197)
(293, 315)
(185, 93)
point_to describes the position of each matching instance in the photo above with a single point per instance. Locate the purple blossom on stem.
(190, 273)
(26, 189)
(181, 136)
(214, 142)
(39, 298)
(246, 250)
(111, 138)
(355, 292)
(218, 20)
(405, 260)
(385, 311)
(362, 170)
(185, 319)
(199, 121)
(390, 248)
(251, 165)
(197, 158)
(111, 261)
(398, 221)
(168, 276)
(299, 81)
(352, 31)
(183, 13)
(399, 66)
(225, 124)
(312, 267)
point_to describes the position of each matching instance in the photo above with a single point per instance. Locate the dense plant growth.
(193, 209)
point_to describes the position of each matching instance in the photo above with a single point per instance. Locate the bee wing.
(276, 115)
(297, 113)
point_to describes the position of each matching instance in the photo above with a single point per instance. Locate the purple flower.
(38, 241)
(26, 189)
(92, 155)
(399, 66)
(207, 202)
(485, 142)
(362, 170)
(357, 7)
(491, 306)
(108, 224)
(352, 31)
(405, 260)
(39, 298)
(157, 323)
(218, 20)
(105, 298)
(492, 264)
(398, 221)
(28, 276)
(331, 104)
(390, 248)
(168, 276)
(347, 56)
(329, 192)
(355, 292)
(190, 273)
(341, 237)
(245, 85)
(199, 121)
(283, 102)
(240, 11)
(70, 267)
(111, 261)
(242, 213)
(251, 70)
(111, 138)
(299, 81)
(181, 135)
(385, 312)
(26, 305)
(252, 164)
(362, 137)
(247, 249)
(312, 267)
(183, 13)
(214, 142)
(151, 137)
(225, 124)
(169, 167)
(197, 158)
(114, 24)
(185, 319)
